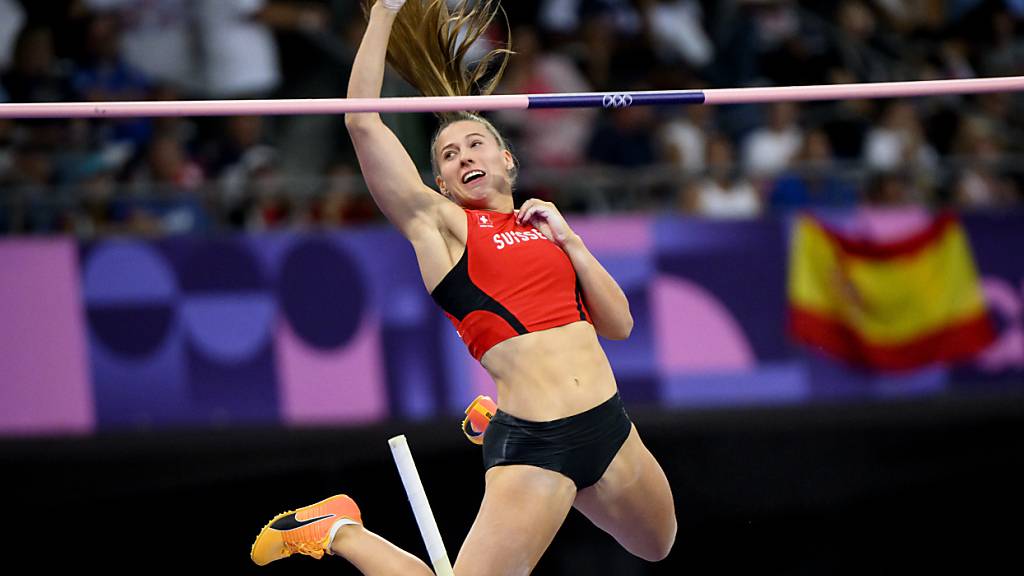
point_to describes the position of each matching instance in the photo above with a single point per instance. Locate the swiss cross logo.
(485, 221)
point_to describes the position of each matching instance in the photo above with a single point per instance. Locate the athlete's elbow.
(627, 327)
(359, 122)
(619, 330)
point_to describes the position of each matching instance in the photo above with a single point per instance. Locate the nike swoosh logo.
(289, 522)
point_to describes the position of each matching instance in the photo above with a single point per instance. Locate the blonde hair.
(429, 44)
(428, 47)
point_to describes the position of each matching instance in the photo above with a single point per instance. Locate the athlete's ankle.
(343, 537)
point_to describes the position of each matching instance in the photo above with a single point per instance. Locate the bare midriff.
(550, 374)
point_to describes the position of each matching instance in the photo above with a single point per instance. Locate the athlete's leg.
(375, 556)
(633, 502)
(523, 508)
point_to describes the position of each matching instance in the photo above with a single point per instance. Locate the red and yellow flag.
(887, 306)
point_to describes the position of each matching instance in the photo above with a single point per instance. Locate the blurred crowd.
(185, 175)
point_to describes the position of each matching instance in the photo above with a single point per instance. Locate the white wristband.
(393, 5)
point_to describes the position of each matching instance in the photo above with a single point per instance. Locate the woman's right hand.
(393, 5)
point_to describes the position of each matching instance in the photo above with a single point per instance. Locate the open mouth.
(472, 175)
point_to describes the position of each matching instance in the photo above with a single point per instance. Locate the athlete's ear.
(442, 187)
(510, 161)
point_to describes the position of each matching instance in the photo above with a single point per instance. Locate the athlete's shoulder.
(453, 218)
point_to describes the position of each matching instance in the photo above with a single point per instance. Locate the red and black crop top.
(511, 280)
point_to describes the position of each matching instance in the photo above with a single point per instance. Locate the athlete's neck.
(502, 205)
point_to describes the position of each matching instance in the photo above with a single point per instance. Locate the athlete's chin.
(479, 199)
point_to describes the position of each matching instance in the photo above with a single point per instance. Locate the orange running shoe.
(478, 417)
(307, 530)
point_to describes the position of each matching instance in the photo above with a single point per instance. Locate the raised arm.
(389, 172)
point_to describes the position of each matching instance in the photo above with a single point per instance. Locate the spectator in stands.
(157, 39)
(168, 163)
(814, 179)
(212, 48)
(231, 159)
(239, 51)
(891, 189)
(624, 137)
(94, 179)
(30, 198)
(555, 137)
(677, 32)
(12, 18)
(609, 35)
(769, 149)
(104, 76)
(6, 161)
(345, 201)
(982, 182)
(847, 123)
(914, 17)
(35, 74)
(6, 140)
(273, 204)
(789, 51)
(168, 188)
(1006, 56)
(684, 138)
(1000, 111)
(861, 47)
(899, 141)
(723, 192)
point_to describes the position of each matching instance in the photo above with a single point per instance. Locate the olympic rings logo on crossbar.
(617, 100)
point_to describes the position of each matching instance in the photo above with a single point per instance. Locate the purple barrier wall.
(44, 383)
(329, 328)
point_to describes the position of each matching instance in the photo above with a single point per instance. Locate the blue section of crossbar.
(616, 99)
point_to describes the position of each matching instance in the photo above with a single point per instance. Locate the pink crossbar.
(510, 102)
(863, 91)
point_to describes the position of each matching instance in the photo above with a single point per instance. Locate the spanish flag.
(887, 306)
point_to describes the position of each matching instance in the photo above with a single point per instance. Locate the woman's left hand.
(546, 218)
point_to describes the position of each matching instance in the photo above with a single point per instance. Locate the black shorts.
(581, 446)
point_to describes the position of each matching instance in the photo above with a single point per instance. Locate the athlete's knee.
(657, 546)
(489, 567)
